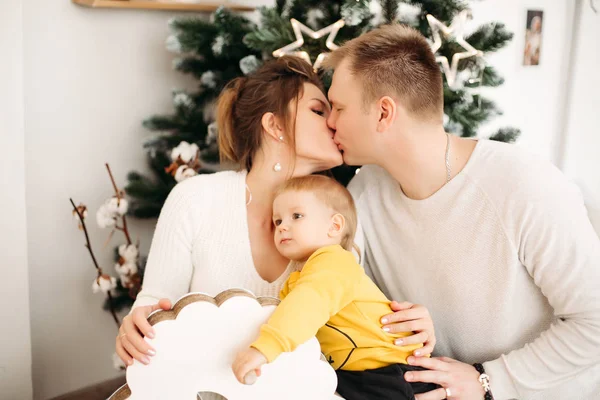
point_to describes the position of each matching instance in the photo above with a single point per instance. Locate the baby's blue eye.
(277, 222)
(297, 216)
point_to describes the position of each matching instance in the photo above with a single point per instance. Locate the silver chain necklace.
(249, 195)
(448, 170)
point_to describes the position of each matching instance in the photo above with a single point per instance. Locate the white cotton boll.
(173, 44)
(105, 218)
(117, 206)
(117, 362)
(127, 269)
(126, 281)
(217, 46)
(249, 64)
(184, 172)
(129, 252)
(104, 283)
(182, 99)
(186, 151)
(208, 79)
(84, 213)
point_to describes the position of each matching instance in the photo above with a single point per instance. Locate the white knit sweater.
(506, 261)
(201, 242)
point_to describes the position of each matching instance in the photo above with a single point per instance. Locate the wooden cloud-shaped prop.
(197, 341)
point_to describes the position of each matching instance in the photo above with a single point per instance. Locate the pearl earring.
(277, 166)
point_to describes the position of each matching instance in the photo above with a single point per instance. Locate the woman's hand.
(130, 342)
(409, 317)
(247, 361)
(459, 381)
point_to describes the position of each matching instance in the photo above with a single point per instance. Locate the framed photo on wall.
(533, 37)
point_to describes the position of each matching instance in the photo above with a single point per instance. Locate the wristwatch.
(484, 379)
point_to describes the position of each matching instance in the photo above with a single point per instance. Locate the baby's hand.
(246, 362)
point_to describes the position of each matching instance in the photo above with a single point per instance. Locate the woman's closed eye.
(319, 112)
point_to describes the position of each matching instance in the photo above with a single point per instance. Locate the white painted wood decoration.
(197, 341)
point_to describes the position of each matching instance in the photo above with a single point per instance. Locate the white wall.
(581, 157)
(531, 95)
(15, 339)
(91, 77)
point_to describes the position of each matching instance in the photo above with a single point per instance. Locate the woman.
(215, 232)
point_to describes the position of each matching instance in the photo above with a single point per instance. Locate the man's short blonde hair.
(395, 60)
(333, 194)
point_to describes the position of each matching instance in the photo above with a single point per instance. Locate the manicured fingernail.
(130, 362)
(146, 360)
(408, 376)
(151, 352)
(398, 342)
(384, 320)
(386, 328)
(417, 353)
(151, 334)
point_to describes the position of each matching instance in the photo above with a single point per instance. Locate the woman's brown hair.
(245, 100)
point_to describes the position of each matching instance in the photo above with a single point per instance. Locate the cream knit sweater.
(507, 262)
(201, 242)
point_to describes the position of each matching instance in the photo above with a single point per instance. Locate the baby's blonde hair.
(333, 194)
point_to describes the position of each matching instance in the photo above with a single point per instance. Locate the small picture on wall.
(533, 37)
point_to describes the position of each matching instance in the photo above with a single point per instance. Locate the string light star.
(455, 30)
(298, 28)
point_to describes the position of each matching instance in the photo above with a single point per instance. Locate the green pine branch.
(275, 32)
(194, 35)
(490, 37)
(507, 135)
(389, 9)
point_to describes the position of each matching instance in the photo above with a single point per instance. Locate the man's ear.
(272, 126)
(387, 110)
(338, 223)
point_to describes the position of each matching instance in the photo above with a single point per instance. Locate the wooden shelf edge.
(160, 5)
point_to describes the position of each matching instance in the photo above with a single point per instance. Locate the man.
(494, 242)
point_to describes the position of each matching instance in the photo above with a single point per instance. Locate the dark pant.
(385, 383)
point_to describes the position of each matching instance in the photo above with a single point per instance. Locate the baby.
(330, 297)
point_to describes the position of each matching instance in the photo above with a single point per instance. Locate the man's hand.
(409, 317)
(247, 361)
(459, 381)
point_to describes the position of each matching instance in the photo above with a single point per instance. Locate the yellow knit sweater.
(334, 299)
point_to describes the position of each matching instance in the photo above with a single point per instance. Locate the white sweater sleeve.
(169, 267)
(559, 248)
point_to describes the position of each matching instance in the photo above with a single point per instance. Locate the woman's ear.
(387, 110)
(336, 228)
(272, 126)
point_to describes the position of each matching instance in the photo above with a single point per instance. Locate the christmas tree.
(229, 45)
